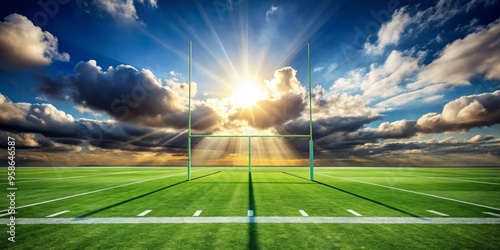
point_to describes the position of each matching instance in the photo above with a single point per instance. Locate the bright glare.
(247, 94)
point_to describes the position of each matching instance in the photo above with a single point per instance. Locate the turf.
(372, 192)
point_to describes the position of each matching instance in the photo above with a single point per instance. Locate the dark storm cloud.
(326, 126)
(268, 113)
(127, 94)
(44, 126)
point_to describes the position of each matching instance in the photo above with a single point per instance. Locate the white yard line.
(490, 213)
(354, 212)
(442, 177)
(414, 192)
(56, 214)
(1, 215)
(99, 190)
(246, 220)
(144, 213)
(250, 213)
(438, 213)
(197, 213)
(303, 213)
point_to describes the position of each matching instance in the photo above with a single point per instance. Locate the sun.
(246, 94)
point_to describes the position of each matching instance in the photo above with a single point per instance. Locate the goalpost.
(311, 144)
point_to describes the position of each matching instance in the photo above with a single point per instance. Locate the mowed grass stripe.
(98, 190)
(77, 177)
(414, 192)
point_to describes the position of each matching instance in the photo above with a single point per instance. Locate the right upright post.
(311, 144)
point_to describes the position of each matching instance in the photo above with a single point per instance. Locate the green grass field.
(347, 208)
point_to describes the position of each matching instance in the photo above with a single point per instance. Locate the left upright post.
(189, 110)
(249, 154)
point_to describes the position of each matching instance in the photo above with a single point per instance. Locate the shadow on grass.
(142, 196)
(357, 195)
(252, 227)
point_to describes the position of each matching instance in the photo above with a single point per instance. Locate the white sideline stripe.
(303, 213)
(197, 213)
(436, 212)
(354, 212)
(99, 190)
(490, 213)
(246, 220)
(56, 214)
(443, 177)
(250, 213)
(414, 192)
(144, 213)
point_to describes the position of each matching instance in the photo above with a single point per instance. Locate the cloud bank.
(24, 45)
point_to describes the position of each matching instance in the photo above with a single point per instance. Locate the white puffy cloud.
(476, 54)
(386, 81)
(318, 69)
(24, 45)
(284, 82)
(332, 104)
(463, 114)
(350, 83)
(380, 81)
(397, 129)
(481, 138)
(271, 11)
(120, 9)
(390, 32)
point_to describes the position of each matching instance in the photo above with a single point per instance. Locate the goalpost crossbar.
(245, 136)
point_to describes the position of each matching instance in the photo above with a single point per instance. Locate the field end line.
(99, 190)
(414, 192)
(354, 212)
(436, 212)
(250, 213)
(56, 214)
(246, 220)
(197, 213)
(303, 213)
(144, 213)
(490, 213)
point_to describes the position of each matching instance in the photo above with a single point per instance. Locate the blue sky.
(394, 82)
